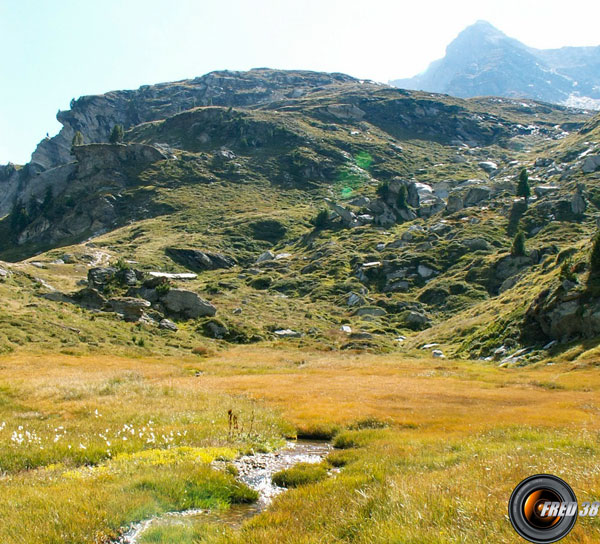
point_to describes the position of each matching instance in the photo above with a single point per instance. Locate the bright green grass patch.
(300, 474)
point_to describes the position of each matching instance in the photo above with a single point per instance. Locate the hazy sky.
(54, 50)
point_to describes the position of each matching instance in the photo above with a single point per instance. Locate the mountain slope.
(482, 61)
(349, 215)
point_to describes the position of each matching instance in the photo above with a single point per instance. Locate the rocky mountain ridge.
(349, 214)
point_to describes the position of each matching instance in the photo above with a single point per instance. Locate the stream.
(253, 470)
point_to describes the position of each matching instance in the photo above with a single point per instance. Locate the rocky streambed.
(253, 470)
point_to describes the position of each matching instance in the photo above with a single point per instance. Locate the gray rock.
(374, 311)
(348, 217)
(488, 166)
(99, 277)
(200, 260)
(345, 112)
(591, 164)
(126, 276)
(186, 304)
(415, 320)
(130, 308)
(508, 266)
(287, 333)
(476, 244)
(543, 190)
(168, 325)
(455, 203)
(499, 353)
(396, 287)
(438, 354)
(266, 256)
(578, 204)
(425, 271)
(355, 300)
(90, 298)
(476, 195)
(216, 329)
(4, 274)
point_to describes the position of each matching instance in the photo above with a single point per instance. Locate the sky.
(54, 50)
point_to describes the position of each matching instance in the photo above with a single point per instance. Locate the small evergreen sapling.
(523, 188)
(116, 136)
(518, 247)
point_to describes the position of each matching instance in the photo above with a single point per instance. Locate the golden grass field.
(431, 449)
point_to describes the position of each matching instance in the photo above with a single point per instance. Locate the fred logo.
(543, 509)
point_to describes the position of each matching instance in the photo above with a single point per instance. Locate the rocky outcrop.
(195, 259)
(95, 116)
(562, 313)
(94, 158)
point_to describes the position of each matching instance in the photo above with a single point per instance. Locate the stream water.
(253, 470)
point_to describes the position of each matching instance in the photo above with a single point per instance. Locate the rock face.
(186, 304)
(95, 116)
(200, 260)
(563, 314)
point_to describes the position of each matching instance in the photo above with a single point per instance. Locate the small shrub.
(595, 257)
(383, 190)
(301, 474)
(320, 220)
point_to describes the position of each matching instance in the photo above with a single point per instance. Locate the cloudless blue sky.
(55, 50)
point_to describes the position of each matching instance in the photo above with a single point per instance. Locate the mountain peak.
(482, 60)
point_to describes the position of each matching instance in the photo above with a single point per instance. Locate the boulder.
(355, 300)
(438, 354)
(425, 271)
(186, 304)
(476, 244)
(130, 308)
(476, 195)
(455, 203)
(348, 217)
(266, 256)
(168, 325)
(489, 166)
(591, 164)
(287, 333)
(99, 277)
(200, 260)
(3, 274)
(578, 204)
(374, 311)
(126, 276)
(90, 298)
(415, 320)
(509, 265)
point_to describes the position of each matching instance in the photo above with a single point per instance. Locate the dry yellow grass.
(467, 432)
